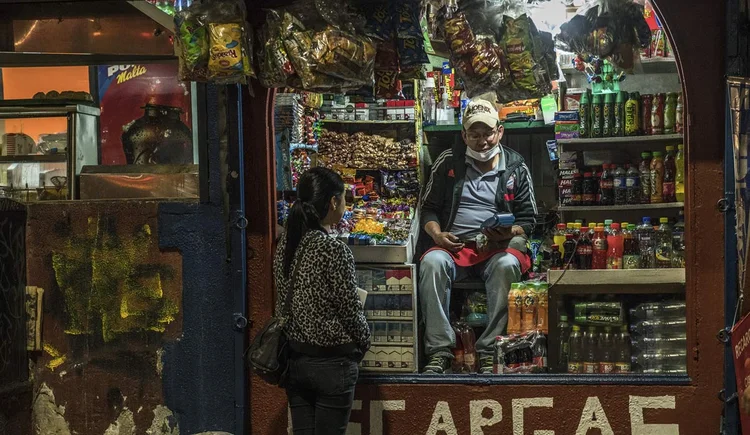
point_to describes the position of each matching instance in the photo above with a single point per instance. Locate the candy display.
(361, 150)
(213, 42)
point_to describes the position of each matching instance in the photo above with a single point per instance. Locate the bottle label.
(590, 368)
(631, 261)
(584, 250)
(631, 182)
(575, 367)
(600, 244)
(606, 367)
(619, 183)
(469, 359)
(668, 190)
(622, 367)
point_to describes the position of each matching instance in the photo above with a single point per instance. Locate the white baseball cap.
(479, 110)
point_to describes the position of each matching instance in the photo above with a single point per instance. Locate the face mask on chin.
(483, 156)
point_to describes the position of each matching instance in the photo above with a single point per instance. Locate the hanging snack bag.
(191, 44)
(411, 52)
(345, 56)
(387, 82)
(380, 24)
(226, 61)
(407, 20)
(518, 48)
(275, 66)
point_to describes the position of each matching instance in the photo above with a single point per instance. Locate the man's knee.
(503, 263)
(436, 262)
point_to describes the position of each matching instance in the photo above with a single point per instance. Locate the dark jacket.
(515, 191)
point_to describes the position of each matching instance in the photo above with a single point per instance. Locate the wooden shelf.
(629, 207)
(617, 281)
(35, 158)
(621, 140)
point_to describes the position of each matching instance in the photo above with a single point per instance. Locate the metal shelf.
(620, 140)
(631, 207)
(653, 280)
(388, 318)
(651, 65)
(387, 369)
(391, 344)
(506, 125)
(35, 158)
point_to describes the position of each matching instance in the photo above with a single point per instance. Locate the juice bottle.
(559, 237)
(622, 357)
(645, 172)
(515, 301)
(607, 352)
(564, 351)
(663, 243)
(575, 346)
(631, 257)
(614, 247)
(584, 250)
(679, 178)
(657, 178)
(542, 307)
(668, 186)
(529, 321)
(599, 249)
(590, 351)
(679, 108)
(670, 113)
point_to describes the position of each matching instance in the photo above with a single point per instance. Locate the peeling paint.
(593, 417)
(124, 425)
(164, 423)
(159, 361)
(57, 358)
(49, 418)
(63, 373)
(442, 420)
(477, 418)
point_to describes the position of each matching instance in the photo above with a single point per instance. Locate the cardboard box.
(394, 332)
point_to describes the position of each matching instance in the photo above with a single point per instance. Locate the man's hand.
(448, 241)
(502, 234)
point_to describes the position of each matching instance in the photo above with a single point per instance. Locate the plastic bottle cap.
(570, 225)
(587, 174)
(600, 224)
(555, 247)
(579, 221)
(430, 82)
(576, 328)
(645, 155)
(670, 147)
(560, 226)
(615, 226)
(631, 227)
(585, 229)
(646, 220)
(577, 225)
(563, 317)
(608, 222)
(680, 147)
(657, 154)
(663, 220)
(577, 175)
(623, 225)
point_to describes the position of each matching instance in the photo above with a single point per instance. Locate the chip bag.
(227, 60)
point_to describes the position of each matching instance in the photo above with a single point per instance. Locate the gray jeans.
(436, 274)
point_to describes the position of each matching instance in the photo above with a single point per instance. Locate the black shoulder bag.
(268, 354)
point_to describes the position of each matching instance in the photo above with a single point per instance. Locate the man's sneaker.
(486, 365)
(438, 365)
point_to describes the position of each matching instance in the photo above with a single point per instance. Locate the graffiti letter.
(355, 428)
(520, 404)
(476, 409)
(442, 420)
(593, 417)
(377, 408)
(639, 403)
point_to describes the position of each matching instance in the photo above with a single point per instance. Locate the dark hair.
(315, 189)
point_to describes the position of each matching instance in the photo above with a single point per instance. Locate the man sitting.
(468, 185)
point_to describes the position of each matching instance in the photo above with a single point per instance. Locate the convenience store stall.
(683, 400)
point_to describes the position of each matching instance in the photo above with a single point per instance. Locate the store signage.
(741, 353)
(485, 413)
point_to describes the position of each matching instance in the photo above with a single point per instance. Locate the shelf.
(652, 280)
(619, 140)
(387, 369)
(629, 207)
(378, 292)
(35, 158)
(506, 125)
(387, 318)
(379, 254)
(403, 344)
(395, 121)
(651, 65)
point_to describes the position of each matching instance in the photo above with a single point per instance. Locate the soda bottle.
(660, 328)
(563, 327)
(470, 353)
(542, 307)
(646, 247)
(528, 320)
(589, 189)
(622, 357)
(458, 351)
(663, 244)
(631, 257)
(607, 354)
(668, 185)
(679, 177)
(614, 247)
(633, 185)
(658, 311)
(556, 261)
(599, 249)
(515, 300)
(607, 226)
(584, 250)
(590, 348)
(569, 247)
(620, 186)
(576, 190)
(577, 230)
(575, 348)
(657, 178)
(559, 237)
(678, 242)
(645, 172)
(606, 186)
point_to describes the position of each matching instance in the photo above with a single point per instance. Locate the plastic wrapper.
(407, 20)
(475, 309)
(411, 52)
(191, 43)
(347, 57)
(518, 44)
(387, 82)
(524, 353)
(227, 59)
(275, 67)
(380, 22)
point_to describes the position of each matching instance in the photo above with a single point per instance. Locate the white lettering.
(639, 403)
(477, 418)
(593, 417)
(114, 69)
(518, 407)
(377, 408)
(355, 428)
(442, 420)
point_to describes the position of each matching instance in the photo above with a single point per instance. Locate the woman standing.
(328, 333)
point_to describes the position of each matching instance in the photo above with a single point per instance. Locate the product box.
(394, 358)
(407, 332)
(572, 100)
(370, 307)
(380, 335)
(364, 279)
(407, 358)
(566, 126)
(567, 135)
(392, 306)
(369, 359)
(381, 357)
(567, 115)
(378, 280)
(381, 309)
(406, 305)
(394, 332)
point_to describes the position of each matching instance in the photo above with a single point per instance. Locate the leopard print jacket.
(326, 310)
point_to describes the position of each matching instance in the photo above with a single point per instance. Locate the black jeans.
(320, 393)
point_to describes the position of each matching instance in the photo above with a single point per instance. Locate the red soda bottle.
(599, 249)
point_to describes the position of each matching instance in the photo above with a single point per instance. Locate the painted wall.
(564, 409)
